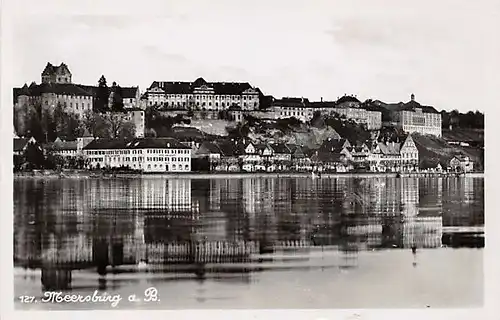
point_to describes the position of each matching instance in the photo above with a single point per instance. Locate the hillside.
(433, 150)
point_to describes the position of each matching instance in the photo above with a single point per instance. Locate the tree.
(102, 96)
(150, 133)
(127, 131)
(95, 124)
(117, 98)
(34, 156)
(34, 126)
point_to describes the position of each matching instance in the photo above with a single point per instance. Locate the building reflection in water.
(72, 223)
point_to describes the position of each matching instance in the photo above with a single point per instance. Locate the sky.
(443, 51)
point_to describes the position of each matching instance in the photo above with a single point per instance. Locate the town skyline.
(337, 49)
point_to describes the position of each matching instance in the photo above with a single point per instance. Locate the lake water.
(251, 242)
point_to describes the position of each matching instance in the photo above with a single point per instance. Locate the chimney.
(412, 97)
(321, 99)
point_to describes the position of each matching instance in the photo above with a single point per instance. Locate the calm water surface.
(251, 242)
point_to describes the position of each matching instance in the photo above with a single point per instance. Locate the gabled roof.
(51, 69)
(392, 148)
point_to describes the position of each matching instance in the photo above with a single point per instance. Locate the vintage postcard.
(326, 158)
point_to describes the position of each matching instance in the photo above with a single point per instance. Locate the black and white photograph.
(250, 155)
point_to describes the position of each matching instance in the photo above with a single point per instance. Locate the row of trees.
(46, 125)
(469, 120)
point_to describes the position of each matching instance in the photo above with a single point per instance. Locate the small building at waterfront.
(143, 154)
(461, 163)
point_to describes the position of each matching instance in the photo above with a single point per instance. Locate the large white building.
(144, 154)
(202, 95)
(348, 106)
(414, 117)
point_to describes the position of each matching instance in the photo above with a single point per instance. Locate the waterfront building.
(144, 154)
(385, 157)
(300, 160)
(414, 117)
(409, 155)
(62, 148)
(329, 162)
(202, 95)
(461, 163)
(360, 153)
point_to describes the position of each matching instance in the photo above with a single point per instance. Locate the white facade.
(420, 122)
(181, 95)
(168, 158)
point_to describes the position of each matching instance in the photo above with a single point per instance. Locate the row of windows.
(156, 151)
(289, 113)
(64, 96)
(217, 97)
(174, 167)
(141, 159)
(204, 104)
(166, 159)
(167, 151)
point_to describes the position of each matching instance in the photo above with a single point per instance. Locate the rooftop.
(138, 143)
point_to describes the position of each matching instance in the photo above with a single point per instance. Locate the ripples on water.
(226, 230)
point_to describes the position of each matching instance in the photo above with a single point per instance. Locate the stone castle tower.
(56, 74)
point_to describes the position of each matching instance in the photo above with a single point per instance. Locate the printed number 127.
(27, 299)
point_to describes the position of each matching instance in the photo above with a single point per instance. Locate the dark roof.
(332, 145)
(67, 89)
(231, 148)
(323, 104)
(57, 88)
(211, 147)
(51, 69)
(138, 143)
(412, 105)
(280, 148)
(180, 87)
(347, 99)
(129, 92)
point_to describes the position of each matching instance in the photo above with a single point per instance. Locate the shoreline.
(230, 175)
